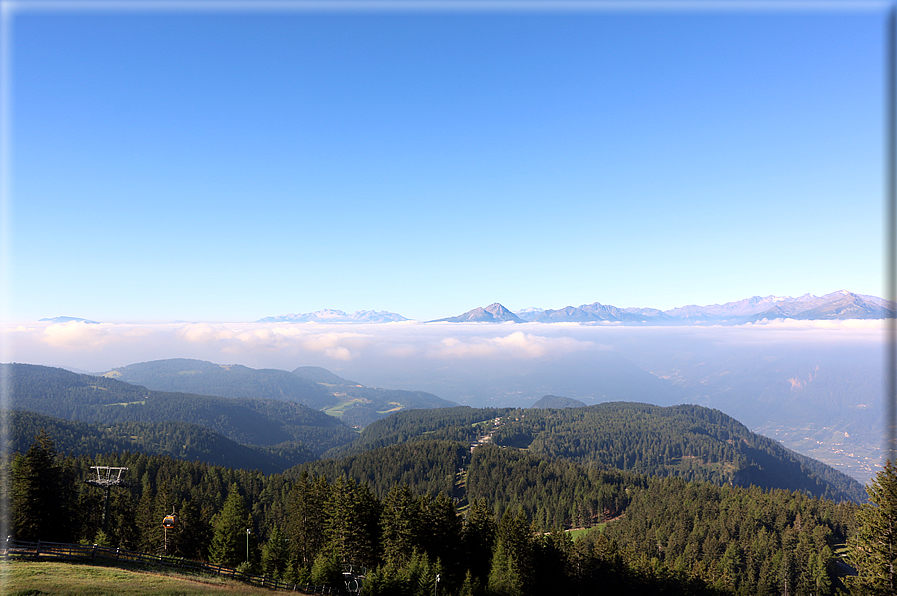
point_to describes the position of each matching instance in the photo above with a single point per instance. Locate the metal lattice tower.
(107, 477)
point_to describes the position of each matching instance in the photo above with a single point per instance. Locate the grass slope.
(28, 578)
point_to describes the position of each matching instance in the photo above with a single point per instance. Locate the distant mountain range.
(66, 320)
(837, 305)
(337, 316)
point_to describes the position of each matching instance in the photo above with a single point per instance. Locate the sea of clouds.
(412, 355)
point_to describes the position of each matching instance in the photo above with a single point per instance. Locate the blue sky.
(228, 165)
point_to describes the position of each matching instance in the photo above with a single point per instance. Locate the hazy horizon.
(54, 318)
(104, 346)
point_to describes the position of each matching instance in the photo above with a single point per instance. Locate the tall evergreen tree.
(39, 499)
(352, 526)
(478, 538)
(442, 536)
(873, 550)
(230, 541)
(149, 526)
(513, 572)
(306, 520)
(400, 524)
(122, 529)
(275, 554)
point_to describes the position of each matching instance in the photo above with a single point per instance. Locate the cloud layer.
(100, 347)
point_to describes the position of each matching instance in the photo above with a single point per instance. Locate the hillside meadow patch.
(39, 578)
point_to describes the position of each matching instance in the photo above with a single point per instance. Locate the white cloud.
(838, 324)
(203, 333)
(338, 353)
(514, 345)
(104, 346)
(77, 334)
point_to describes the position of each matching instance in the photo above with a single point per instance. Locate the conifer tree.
(400, 523)
(478, 538)
(39, 503)
(149, 526)
(327, 569)
(352, 522)
(122, 529)
(512, 572)
(419, 575)
(306, 520)
(195, 530)
(229, 542)
(873, 549)
(275, 554)
(442, 529)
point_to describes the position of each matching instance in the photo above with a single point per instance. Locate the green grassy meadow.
(29, 578)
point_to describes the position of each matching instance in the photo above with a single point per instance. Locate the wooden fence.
(55, 551)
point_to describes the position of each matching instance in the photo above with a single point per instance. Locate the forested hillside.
(554, 494)
(176, 439)
(314, 387)
(557, 402)
(673, 537)
(63, 394)
(461, 423)
(690, 441)
(360, 405)
(754, 542)
(184, 375)
(428, 466)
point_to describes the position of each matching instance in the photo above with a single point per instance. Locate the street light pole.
(247, 544)
(436, 585)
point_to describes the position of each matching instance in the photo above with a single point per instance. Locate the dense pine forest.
(694, 442)
(504, 535)
(677, 500)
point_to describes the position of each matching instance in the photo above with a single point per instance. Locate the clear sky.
(226, 165)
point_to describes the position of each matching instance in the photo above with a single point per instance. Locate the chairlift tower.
(106, 478)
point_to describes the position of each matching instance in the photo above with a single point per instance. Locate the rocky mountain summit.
(494, 313)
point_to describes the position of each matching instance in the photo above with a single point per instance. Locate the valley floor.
(853, 456)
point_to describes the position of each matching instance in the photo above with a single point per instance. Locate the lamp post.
(436, 585)
(248, 531)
